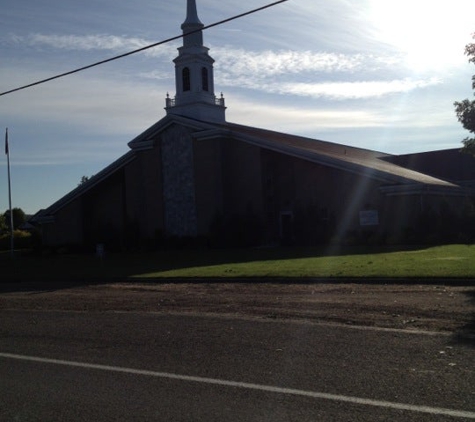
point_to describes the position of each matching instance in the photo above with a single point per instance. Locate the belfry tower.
(194, 76)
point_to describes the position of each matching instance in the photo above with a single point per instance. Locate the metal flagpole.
(7, 152)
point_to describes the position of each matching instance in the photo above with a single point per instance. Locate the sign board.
(100, 250)
(369, 218)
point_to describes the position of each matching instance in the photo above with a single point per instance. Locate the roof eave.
(83, 188)
(322, 159)
(145, 140)
(425, 189)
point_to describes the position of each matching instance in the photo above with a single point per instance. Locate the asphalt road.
(73, 366)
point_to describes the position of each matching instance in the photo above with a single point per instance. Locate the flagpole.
(7, 152)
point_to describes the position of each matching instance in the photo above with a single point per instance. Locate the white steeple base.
(204, 111)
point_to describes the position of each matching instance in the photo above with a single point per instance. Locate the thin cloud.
(302, 119)
(306, 119)
(271, 63)
(353, 90)
(341, 90)
(253, 69)
(97, 42)
(237, 61)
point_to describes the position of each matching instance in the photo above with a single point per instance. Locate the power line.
(140, 49)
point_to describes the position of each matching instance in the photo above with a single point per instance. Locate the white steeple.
(194, 77)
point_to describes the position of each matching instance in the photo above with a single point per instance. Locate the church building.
(194, 175)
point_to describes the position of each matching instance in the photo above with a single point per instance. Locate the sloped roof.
(373, 164)
(43, 215)
(360, 161)
(355, 160)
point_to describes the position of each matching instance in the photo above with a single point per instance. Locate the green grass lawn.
(440, 261)
(446, 261)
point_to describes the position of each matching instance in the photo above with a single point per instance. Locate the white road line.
(250, 386)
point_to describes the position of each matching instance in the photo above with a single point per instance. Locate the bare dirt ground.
(430, 307)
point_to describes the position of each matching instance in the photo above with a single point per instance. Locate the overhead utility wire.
(140, 49)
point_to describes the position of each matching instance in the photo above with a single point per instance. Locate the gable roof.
(383, 167)
(145, 140)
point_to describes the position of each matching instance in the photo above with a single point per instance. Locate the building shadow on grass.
(85, 267)
(39, 273)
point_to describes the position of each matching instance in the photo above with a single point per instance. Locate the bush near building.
(22, 240)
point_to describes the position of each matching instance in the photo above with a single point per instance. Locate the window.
(186, 79)
(204, 79)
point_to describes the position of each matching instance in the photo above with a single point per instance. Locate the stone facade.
(178, 183)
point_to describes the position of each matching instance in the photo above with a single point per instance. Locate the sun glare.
(427, 32)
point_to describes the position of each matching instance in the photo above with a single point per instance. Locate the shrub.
(21, 239)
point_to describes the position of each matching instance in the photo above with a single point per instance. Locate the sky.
(376, 74)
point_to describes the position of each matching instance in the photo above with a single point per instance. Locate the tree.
(3, 224)
(19, 217)
(465, 110)
(84, 179)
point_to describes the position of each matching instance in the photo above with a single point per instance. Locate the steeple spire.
(192, 23)
(194, 75)
(191, 14)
